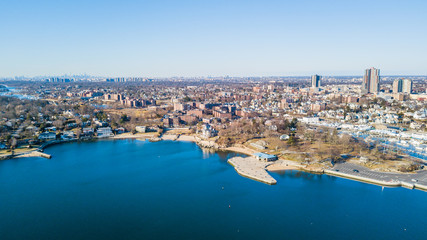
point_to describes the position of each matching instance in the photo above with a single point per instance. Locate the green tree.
(292, 139)
(186, 99)
(294, 123)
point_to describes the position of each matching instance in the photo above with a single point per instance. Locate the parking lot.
(419, 178)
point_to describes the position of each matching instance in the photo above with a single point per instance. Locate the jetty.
(36, 154)
(252, 168)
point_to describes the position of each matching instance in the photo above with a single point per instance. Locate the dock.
(252, 168)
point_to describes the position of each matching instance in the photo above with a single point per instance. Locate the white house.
(104, 132)
(265, 157)
(47, 136)
(141, 129)
(67, 135)
(208, 131)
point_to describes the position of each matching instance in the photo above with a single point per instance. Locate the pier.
(33, 153)
(36, 154)
(252, 168)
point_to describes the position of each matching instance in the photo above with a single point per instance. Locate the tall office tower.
(371, 81)
(407, 86)
(397, 85)
(315, 81)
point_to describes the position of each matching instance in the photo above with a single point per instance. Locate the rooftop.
(264, 155)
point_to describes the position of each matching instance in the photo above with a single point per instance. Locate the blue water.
(172, 190)
(13, 92)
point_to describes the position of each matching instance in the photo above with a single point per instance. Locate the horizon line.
(216, 76)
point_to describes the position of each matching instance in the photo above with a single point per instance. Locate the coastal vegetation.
(77, 110)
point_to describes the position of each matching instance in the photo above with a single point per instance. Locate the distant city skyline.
(238, 38)
(302, 77)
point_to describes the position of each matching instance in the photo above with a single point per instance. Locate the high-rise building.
(315, 81)
(371, 81)
(397, 85)
(407, 86)
(402, 86)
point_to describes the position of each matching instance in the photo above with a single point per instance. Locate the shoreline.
(252, 168)
(277, 166)
(389, 184)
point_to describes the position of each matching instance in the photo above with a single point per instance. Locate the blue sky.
(212, 38)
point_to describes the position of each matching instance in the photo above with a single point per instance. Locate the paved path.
(418, 179)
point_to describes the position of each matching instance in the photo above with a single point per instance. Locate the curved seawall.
(391, 183)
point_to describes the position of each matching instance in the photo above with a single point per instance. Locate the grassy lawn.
(16, 151)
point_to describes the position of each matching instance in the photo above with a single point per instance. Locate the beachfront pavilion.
(265, 157)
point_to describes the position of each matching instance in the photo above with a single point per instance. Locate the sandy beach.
(133, 136)
(186, 138)
(172, 137)
(239, 149)
(281, 165)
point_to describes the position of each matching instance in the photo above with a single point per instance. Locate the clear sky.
(162, 38)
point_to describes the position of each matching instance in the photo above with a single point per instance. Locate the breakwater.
(36, 154)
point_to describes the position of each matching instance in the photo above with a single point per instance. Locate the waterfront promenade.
(356, 172)
(257, 170)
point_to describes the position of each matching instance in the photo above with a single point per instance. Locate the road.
(348, 168)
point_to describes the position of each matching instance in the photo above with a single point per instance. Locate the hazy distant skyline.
(212, 38)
